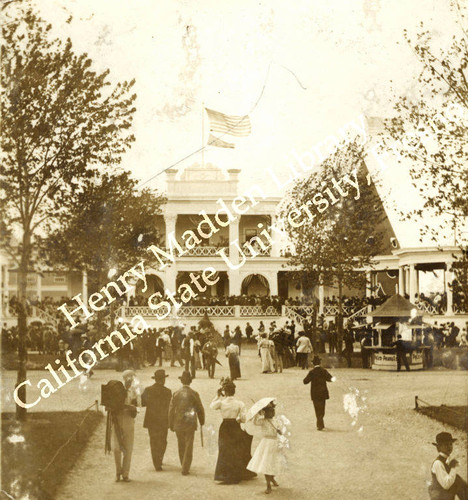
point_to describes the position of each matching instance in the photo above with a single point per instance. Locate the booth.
(396, 316)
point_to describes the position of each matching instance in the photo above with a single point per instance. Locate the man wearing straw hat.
(446, 484)
(185, 408)
(157, 398)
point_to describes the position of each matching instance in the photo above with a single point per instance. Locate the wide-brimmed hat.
(160, 375)
(316, 360)
(258, 407)
(186, 378)
(443, 438)
(128, 374)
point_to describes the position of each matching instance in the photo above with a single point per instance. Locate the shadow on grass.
(28, 447)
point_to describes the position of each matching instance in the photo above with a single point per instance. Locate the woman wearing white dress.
(267, 361)
(266, 458)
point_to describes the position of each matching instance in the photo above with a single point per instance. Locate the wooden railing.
(258, 311)
(202, 251)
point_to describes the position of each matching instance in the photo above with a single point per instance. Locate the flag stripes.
(238, 126)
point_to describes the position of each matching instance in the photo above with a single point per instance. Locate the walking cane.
(201, 435)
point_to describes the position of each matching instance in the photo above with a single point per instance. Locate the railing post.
(237, 311)
(416, 402)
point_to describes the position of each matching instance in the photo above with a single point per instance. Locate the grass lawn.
(27, 449)
(456, 416)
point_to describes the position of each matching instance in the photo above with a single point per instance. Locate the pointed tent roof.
(395, 306)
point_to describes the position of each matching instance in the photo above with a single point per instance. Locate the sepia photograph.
(234, 249)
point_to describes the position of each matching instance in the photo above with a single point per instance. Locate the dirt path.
(386, 455)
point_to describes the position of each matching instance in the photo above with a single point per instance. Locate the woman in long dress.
(267, 458)
(265, 354)
(232, 353)
(234, 444)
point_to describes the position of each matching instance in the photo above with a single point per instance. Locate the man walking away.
(446, 484)
(157, 399)
(349, 345)
(210, 352)
(318, 378)
(401, 353)
(248, 331)
(184, 410)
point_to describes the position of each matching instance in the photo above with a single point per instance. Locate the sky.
(300, 69)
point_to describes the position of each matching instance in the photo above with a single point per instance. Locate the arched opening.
(154, 284)
(255, 284)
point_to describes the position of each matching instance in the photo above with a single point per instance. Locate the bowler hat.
(443, 438)
(316, 360)
(186, 378)
(160, 375)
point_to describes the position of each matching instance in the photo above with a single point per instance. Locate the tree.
(431, 127)
(61, 121)
(109, 226)
(343, 238)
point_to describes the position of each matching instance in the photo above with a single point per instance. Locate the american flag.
(238, 126)
(214, 141)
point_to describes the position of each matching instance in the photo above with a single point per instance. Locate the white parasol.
(258, 407)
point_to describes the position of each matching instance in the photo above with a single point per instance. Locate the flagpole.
(203, 134)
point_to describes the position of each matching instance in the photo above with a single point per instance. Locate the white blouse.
(229, 407)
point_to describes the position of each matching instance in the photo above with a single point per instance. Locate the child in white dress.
(266, 459)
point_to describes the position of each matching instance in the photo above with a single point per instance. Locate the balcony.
(202, 251)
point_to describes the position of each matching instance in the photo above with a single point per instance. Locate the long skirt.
(234, 366)
(234, 452)
(267, 362)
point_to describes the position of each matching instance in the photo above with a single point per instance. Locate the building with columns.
(200, 188)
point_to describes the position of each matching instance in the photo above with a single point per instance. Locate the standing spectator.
(318, 378)
(157, 398)
(445, 483)
(401, 353)
(248, 331)
(349, 345)
(428, 342)
(303, 349)
(184, 410)
(232, 353)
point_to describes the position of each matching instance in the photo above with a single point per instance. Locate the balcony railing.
(247, 311)
(258, 251)
(202, 251)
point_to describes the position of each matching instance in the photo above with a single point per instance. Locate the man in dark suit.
(184, 410)
(318, 378)
(157, 398)
(401, 353)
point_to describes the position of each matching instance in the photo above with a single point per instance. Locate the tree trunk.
(339, 318)
(22, 324)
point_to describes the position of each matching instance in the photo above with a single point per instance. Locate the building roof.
(394, 307)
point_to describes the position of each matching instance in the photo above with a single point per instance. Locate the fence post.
(96, 402)
(416, 402)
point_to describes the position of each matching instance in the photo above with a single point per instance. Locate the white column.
(401, 280)
(448, 275)
(170, 221)
(275, 247)
(234, 282)
(368, 284)
(170, 278)
(407, 281)
(273, 281)
(321, 299)
(39, 286)
(233, 236)
(413, 286)
(84, 286)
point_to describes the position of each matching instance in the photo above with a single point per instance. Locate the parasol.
(258, 407)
